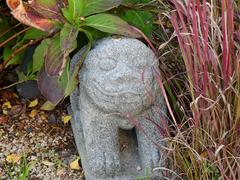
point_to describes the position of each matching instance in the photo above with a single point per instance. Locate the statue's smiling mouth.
(116, 93)
(128, 94)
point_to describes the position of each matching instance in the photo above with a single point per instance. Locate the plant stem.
(20, 49)
(14, 36)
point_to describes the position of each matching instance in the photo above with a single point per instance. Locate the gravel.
(44, 142)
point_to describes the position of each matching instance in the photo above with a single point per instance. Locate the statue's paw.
(151, 158)
(113, 165)
(105, 164)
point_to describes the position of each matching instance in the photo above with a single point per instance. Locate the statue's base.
(130, 161)
(131, 168)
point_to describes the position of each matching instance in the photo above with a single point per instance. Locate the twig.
(20, 49)
(11, 85)
(8, 30)
(12, 37)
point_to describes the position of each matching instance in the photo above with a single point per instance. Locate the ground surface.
(38, 138)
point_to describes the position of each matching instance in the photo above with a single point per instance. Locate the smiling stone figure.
(117, 110)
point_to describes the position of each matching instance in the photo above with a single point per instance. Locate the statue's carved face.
(118, 76)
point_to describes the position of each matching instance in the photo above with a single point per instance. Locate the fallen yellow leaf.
(47, 106)
(15, 95)
(33, 113)
(33, 103)
(43, 117)
(13, 158)
(48, 163)
(5, 112)
(7, 105)
(66, 119)
(74, 164)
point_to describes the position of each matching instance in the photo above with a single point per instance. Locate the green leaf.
(67, 15)
(23, 77)
(98, 6)
(111, 24)
(57, 88)
(55, 58)
(73, 11)
(132, 2)
(73, 78)
(69, 79)
(140, 19)
(38, 56)
(34, 34)
(68, 38)
(58, 50)
(64, 78)
(96, 34)
(7, 53)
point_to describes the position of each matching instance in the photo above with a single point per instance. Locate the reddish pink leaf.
(50, 9)
(55, 58)
(50, 87)
(27, 15)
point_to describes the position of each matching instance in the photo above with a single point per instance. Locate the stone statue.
(117, 110)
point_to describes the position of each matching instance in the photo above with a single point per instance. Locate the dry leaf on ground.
(33, 113)
(7, 105)
(13, 158)
(5, 112)
(47, 106)
(66, 119)
(33, 103)
(17, 110)
(48, 163)
(75, 165)
(3, 119)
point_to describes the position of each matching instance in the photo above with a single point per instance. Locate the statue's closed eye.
(139, 62)
(107, 64)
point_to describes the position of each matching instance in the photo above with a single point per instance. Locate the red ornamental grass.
(209, 40)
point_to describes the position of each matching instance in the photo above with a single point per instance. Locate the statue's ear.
(73, 64)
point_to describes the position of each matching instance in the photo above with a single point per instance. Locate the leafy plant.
(25, 169)
(63, 20)
(139, 13)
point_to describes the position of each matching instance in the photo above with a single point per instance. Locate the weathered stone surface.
(117, 108)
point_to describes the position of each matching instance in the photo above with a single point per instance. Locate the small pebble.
(139, 168)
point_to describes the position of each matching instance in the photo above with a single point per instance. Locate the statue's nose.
(126, 75)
